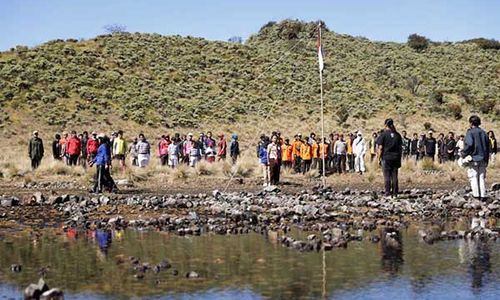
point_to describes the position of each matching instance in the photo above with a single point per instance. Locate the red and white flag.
(320, 51)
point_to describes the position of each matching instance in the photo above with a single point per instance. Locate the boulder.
(495, 186)
(192, 275)
(52, 294)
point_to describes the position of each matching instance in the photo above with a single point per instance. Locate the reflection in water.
(476, 254)
(391, 250)
(93, 262)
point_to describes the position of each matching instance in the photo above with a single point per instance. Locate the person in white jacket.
(359, 150)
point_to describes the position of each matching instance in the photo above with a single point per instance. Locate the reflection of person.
(477, 255)
(391, 250)
(103, 238)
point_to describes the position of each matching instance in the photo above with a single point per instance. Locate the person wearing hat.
(92, 146)
(389, 153)
(35, 150)
(359, 151)
(221, 148)
(476, 147)
(430, 146)
(234, 148)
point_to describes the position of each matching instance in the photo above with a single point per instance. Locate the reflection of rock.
(53, 294)
(35, 291)
(391, 247)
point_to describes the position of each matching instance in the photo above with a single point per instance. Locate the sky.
(32, 22)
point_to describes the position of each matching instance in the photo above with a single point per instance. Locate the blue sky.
(31, 22)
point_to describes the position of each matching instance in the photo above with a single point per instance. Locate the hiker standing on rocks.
(274, 159)
(234, 148)
(389, 150)
(120, 149)
(56, 147)
(359, 150)
(73, 148)
(221, 148)
(143, 151)
(476, 145)
(493, 146)
(102, 162)
(35, 150)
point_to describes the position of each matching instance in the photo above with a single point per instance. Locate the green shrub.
(455, 110)
(418, 42)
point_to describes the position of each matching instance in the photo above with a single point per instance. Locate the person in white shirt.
(359, 151)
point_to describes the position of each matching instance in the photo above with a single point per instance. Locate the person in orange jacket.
(323, 153)
(306, 157)
(296, 146)
(315, 153)
(286, 155)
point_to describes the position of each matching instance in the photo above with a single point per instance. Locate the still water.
(96, 265)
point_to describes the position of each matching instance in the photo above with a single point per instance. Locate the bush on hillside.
(455, 110)
(436, 97)
(418, 42)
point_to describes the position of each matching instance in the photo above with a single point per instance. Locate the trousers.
(359, 163)
(477, 176)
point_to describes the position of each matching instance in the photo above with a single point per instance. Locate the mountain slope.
(172, 81)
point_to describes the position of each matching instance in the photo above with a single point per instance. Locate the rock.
(123, 182)
(216, 194)
(39, 198)
(52, 294)
(175, 272)
(327, 246)
(458, 202)
(192, 275)
(32, 292)
(9, 202)
(495, 186)
(271, 189)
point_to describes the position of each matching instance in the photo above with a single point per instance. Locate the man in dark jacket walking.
(476, 147)
(35, 150)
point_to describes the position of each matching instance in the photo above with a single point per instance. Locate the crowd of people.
(337, 153)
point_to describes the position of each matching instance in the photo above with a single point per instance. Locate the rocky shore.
(334, 218)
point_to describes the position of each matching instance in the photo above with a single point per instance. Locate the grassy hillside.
(173, 81)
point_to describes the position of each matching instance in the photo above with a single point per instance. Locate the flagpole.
(322, 117)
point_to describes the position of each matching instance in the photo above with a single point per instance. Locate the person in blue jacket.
(476, 146)
(102, 161)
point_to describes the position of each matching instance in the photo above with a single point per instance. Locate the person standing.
(64, 152)
(306, 156)
(132, 151)
(286, 155)
(450, 146)
(143, 149)
(163, 150)
(234, 148)
(221, 148)
(460, 146)
(493, 146)
(476, 145)
(73, 148)
(441, 144)
(414, 147)
(274, 160)
(84, 155)
(35, 150)
(173, 153)
(263, 160)
(389, 150)
(323, 155)
(349, 152)
(406, 145)
(120, 149)
(421, 146)
(430, 146)
(296, 145)
(339, 151)
(56, 147)
(359, 150)
(373, 146)
(102, 161)
(92, 146)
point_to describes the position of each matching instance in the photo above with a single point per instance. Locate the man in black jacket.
(389, 152)
(35, 150)
(430, 146)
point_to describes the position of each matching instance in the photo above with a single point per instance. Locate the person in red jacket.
(73, 148)
(92, 146)
(163, 149)
(222, 148)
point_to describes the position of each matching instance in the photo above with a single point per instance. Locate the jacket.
(359, 146)
(315, 149)
(119, 146)
(56, 149)
(296, 145)
(163, 147)
(74, 146)
(234, 148)
(306, 152)
(92, 146)
(102, 158)
(476, 144)
(143, 147)
(286, 152)
(323, 150)
(35, 150)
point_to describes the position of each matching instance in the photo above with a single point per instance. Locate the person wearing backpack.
(264, 160)
(476, 146)
(35, 150)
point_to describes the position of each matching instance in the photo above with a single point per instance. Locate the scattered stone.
(192, 275)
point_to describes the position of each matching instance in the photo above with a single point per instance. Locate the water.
(247, 267)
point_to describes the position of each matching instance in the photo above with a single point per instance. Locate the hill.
(173, 81)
